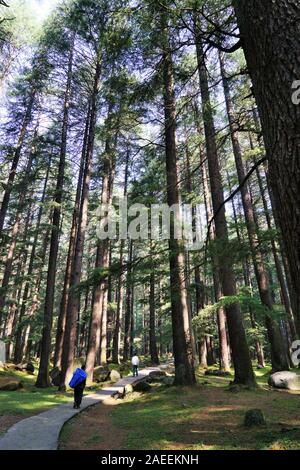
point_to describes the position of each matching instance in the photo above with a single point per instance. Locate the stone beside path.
(41, 432)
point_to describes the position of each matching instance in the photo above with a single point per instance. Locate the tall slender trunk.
(221, 316)
(240, 350)
(72, 244)
(152, 320)
(279, 270)
(247, 279)
(43, 374)
(19, 332)
(182, 341)
(98, 330)
(278, 355)
(129, 293)
(120, 288)
(70, 336)
(16, 158)
(189, 189)
(14, 235)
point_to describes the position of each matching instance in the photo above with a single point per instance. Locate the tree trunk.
(152, 322)
(72, 245)
(271, 42)
(127, 319)
(18, 335)
(120, 288)
(16, 158)
(279, 270)
(14, 234)
(98, 329)
(182, 341)
(221, 317)
(278, 355)
(43, 374)
(240, 351)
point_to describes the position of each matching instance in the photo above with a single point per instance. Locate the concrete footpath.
(41, 432)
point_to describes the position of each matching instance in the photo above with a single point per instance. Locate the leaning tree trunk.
(270, 35)
(43, 374)
(279, 361)
(16, 158)
(182, 340)
(240, 350)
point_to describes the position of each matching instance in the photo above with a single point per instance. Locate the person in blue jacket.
(78, 382)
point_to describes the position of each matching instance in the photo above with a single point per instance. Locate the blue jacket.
(78, 377)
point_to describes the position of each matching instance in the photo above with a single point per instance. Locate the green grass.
(29, 399)
(210, 417)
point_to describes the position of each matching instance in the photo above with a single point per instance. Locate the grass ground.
(206, 417)
(30, 400)
(26, 401)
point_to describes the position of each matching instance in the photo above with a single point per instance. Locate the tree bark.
(221, 316)
(16, 158)
(98, 329)
(129, 294)
(182, 341)
(43, 374)
(70, 260)
(278, 355)
(18, 334)
(240, 351)
(271, 42)
(152, 320)
(120, 288)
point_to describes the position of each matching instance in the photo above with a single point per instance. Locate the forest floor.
(206, 417)
(29, 400)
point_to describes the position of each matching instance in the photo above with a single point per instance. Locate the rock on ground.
(101, 373)
(128, 389)
(285, 380)
(9, 385)
(157, 373)
(254, 418)
(141, 386)
(55, 375)
(114, 376)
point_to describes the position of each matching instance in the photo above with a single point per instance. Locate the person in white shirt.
(135, 365)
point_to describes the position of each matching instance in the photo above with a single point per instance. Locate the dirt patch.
(93, 430)
(6, 421)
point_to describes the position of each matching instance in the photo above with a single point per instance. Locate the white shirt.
(135, 361)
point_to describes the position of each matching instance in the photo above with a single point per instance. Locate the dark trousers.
(78, 394)
(135, 371)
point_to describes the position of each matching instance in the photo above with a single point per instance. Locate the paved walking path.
(41, 432)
